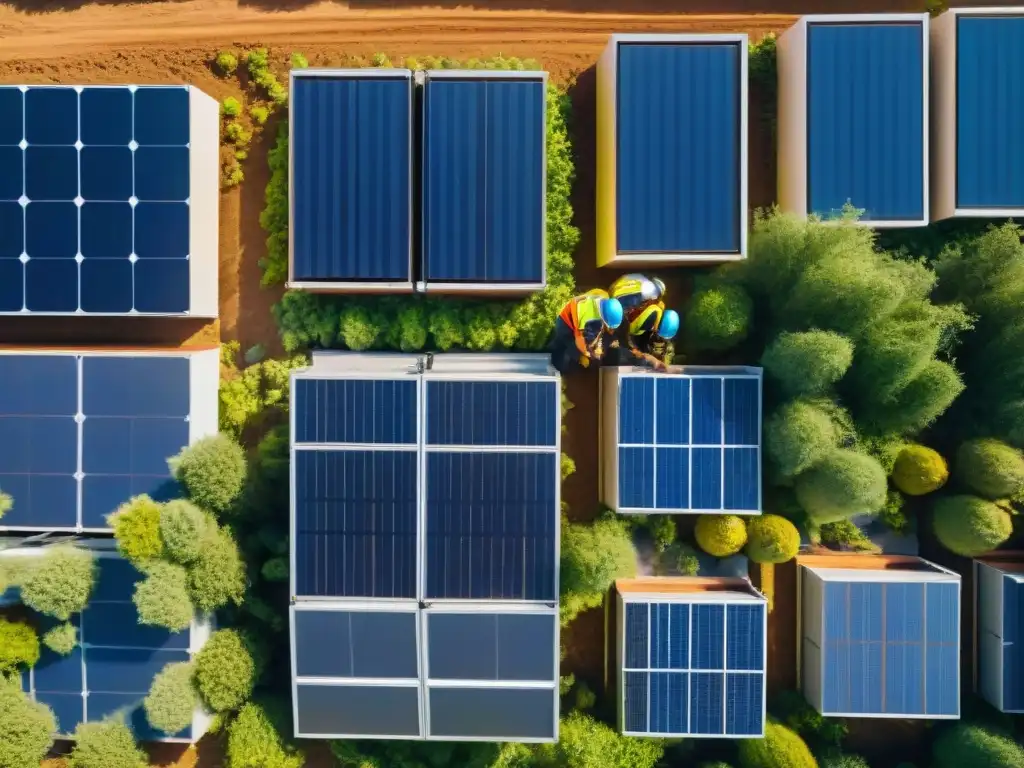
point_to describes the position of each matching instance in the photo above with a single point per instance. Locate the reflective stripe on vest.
(583, 309)
(636, 327)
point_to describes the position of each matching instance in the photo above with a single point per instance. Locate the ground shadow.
(56, 6)
(99, 331)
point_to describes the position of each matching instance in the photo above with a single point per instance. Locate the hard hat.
(611, 312)
(669, 325)
(660, 285)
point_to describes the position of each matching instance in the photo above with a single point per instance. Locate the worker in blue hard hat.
(648, 337)
(582, 328)
(636, 292)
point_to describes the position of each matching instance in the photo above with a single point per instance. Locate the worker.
(582, 327)
(648, 337)
(636, 292)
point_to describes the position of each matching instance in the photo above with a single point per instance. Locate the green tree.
(59, 582)
(839, 759)
(162, 597)
(593, 556)
(843, 484)
(360, 327)
(254, 741)
(718, 316)
(965, 744)
(183, 527)
(226, 670)
(991, 468)
(136, 526)
(807, 363)
(227, 62)
(800, 434)
(919, 470)
(970, 526)
(26, 728)
(231, 107)
(772, 539)
(171, 702)
(61, 638)
(217, 577)
(780, 748)
(212, 472)
(19, 646)
(586, 743)
(107, 744)
(720, 535)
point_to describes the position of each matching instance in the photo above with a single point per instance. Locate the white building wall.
(204, 204)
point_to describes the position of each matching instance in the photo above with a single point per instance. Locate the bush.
(893, 516)
(59, 583)
(162, 597)
(259, 114)
(183, 527)
(991, 468)
(212, 471)
(299, 61)
(225, 670)
(718, 317)
(136, 526)
(919, 404)
(843, 484)
(798, 435)
(593, 556)
(231, 107)
(837, 759)
(26, 728)
(720, 535)
(171, 702)
(807, 363)
(232, 174)
(919, 470)
(972, 745)
(19, 646)
(6, 503)
(843, 533)
(780, 748)
(218, 575)
(254, 741)
(359, 328)
(772, 539)
(663, 531)
(237, 133)
(823, 733)
(62, 638)
(584, 742)
(227, 62)
(108, 744)
(275, 569)
(970, 526)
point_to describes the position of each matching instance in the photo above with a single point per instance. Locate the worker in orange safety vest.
(582, 327)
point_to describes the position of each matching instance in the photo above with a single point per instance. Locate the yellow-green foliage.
(217, 577)
(255, 742)
(718, 317)
(162, 598)
(720, 535)
(991, 468)
(258, 392)
(970, 526)
(136, 526)
(593, 556)
(26, 728)
(919, 470)
(780, 748)
(843, 484)
(226, 670)
(19, 646)
(107, 744)
(61, 638)
(212, 472)
(231, 107)
(972, 746)
(237, 133)
(227, 62)
(772, 539)
(59, 583)
(172, 698)
(6, 503)
(259, 114)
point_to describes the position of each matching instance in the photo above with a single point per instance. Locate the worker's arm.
(641, 355)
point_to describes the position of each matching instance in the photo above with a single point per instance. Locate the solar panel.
(356, 411)
(113, 667)
(694, 669)
(356, 644)
(95, 202)
(499, 413)
(507, 714)
(491, 646)
(80, 434)
(891, 648)
(483, 178)
(689, 443)
(357, 710)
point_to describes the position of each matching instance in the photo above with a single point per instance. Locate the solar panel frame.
(648, 673)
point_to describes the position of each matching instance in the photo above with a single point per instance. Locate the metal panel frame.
(990, 649)
(204, 384)
(608, 254)
(725, 599)
(204, 228)
(348, 286)
(423, 78)
(793, 150)
(199, 630)
(611, 384)
(944, 157)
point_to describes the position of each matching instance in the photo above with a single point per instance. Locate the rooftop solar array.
(425, 523)
(112, 668)
(83, 432)
(108, 200)
(351, 178)
(999, 653)
(694, 669)
(687, 442)
(484, 179)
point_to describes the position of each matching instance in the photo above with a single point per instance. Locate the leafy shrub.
(232, 174)
(970, 526)
(843, 484)
(274, 217)
(919, 470)
(807, 363)
(823, 733)
(171, 702)
(6, 503)
(720, 535)
(26, 728)
(227, 62)
(663, 531)
(108, 744)
(136, 526)
(225, 670)
(843, 533)
(686, 561)
(255, 742)
(837, 759)
(975, 746)
(162, 598)
(58, 584)
(798, 435)
(718, 317)
(217, 577)
(259, 393)
(772, 539)
(259, 114)
(780, 748)
(299, 61)
(212, 471)
(585, 742)
(183, 527)
(275, 569)
(991, 468)
(19, 645)
(237, 133)
(917, 405)
(61, 638)
(893, 516)
(593, 556)
(231, 107)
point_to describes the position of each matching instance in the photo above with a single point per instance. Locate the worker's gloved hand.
(614, 345)
(585, 361)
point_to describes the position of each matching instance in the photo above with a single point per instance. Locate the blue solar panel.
(491, 525)
(483, 180)
(356, 411)
(690, 443)
(502, 413)
(891, 648)
(352, 178)
(1013, 649)
(94, 200)
(356, 521)
(716, 655)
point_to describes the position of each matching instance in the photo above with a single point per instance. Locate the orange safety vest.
(584, 309)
